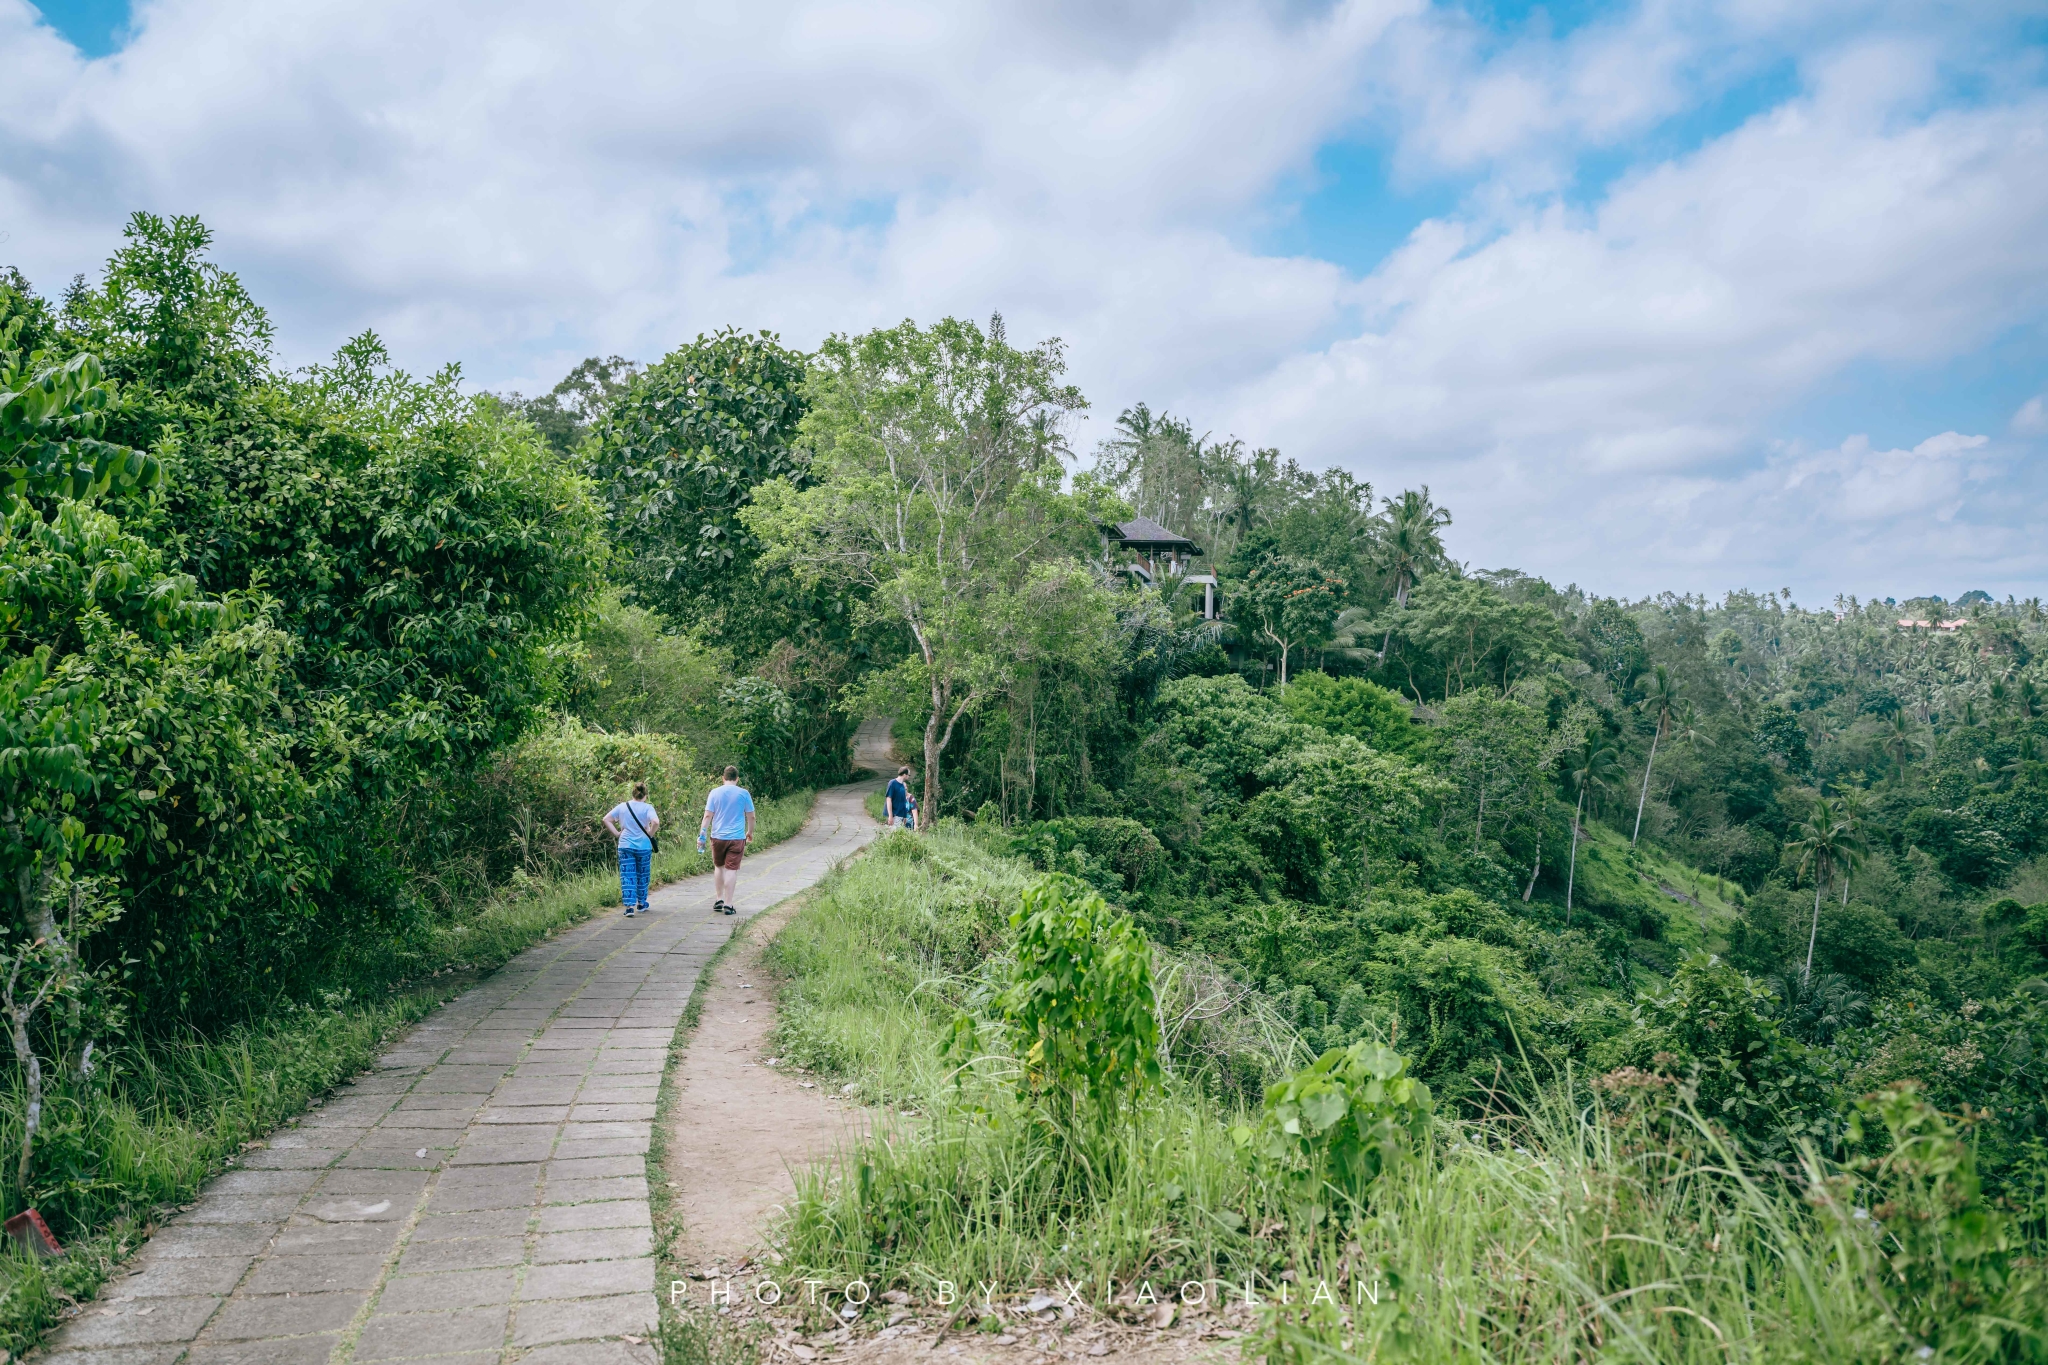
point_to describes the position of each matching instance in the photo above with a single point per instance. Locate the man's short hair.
(732, 774)
(903, 772)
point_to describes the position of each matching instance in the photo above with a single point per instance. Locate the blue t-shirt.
(630, 835)
(728, 806)
(899, 797)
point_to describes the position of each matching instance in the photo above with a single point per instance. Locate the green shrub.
(1125, 848)
(553, 788)
(1954, 1270)
(1079, 1008)
(1333, 1127)
(1352, 706)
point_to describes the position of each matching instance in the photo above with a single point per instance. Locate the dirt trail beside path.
(739, 1124)
(739, 1127)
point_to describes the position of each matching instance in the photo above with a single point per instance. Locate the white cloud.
(2032, 418)
(1585, 387)
(1857, 484)
(1592, 387)
(479, 173)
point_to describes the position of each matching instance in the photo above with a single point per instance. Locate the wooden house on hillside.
(1149, 554)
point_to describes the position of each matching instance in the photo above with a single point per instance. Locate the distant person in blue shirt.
(729, 823)
(896, 802)
(634, 823)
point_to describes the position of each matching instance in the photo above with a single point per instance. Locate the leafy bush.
(1121, 847)
(1954, 1269)
(1080, 1008)
(150, 714)
(1355, 707)
(1335, 1126)
(1719, 1026)
(551, 791)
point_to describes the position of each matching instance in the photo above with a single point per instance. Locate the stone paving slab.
(480, 1195)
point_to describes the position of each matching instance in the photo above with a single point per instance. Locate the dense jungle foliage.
(302, 673)
(1807, 858)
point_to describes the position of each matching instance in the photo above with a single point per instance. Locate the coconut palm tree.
(1593, 767)
(2024, 760)
(1901, 738)
(1409, 543)
(1349, 637)
(1249, 483)
(1826, 839)
(1660, 702)
(1816, 1011)
(1854, 807)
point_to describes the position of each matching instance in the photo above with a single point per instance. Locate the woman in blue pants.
(634, 823)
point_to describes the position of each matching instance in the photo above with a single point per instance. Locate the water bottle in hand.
(701, 843)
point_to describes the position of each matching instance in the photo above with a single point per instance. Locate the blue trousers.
(634, 865)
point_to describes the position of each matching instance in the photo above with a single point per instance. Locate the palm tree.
(1594, 766)
(2024, 760)
(1816, 1011)
(1660, 702)
(1249, 484)
(1901, 737)
(1348, 638)
(1854, 808)
(1410, 543)
(1825, 839)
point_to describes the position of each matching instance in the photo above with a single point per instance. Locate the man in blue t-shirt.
(896, 802)
(729, 823)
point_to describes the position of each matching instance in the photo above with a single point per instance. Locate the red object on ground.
(29, 1229)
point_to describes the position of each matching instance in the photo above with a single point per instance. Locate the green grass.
(1627, 883)
(1592, 1225)
(160, 1121)
(960, 1186)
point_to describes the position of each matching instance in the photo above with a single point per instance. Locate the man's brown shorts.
(726, 853)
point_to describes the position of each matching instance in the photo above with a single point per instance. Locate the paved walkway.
(481, 1196)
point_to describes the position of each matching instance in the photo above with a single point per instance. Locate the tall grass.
(1594, 1222)
(157, 1121)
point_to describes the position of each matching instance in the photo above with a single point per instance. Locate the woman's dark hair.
(903, 771)
(732, 774)
(639, 791)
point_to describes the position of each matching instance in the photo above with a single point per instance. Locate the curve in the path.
(481, 1195)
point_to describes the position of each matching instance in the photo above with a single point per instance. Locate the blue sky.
(95, 27)
(1667, 295)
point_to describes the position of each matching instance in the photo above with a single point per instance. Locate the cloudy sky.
(1654, 296)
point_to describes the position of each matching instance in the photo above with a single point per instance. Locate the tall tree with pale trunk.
(1827, 840)
(934, 487)
(1594, 766)
(1660, 702)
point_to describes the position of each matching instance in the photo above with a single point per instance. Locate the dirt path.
(740, 1124)
(737, 1129)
